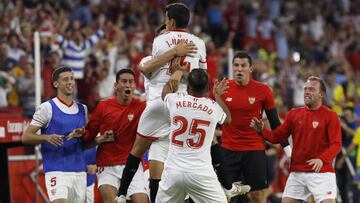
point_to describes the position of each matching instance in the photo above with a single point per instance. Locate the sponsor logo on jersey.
(130, 117)
(251, 100)
(228, 99)
(315, 124)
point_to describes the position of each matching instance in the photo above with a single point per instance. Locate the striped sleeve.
(61, 40)
(93, 39)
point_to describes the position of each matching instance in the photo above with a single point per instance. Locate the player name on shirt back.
(189, 104)
(174, 41)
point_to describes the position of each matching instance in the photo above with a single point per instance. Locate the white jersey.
(146, 80)
(162, 44)
(193, 123)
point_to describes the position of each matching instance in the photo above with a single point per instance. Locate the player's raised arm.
(219, 89)
(173, 84)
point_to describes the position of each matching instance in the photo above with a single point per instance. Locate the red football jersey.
(123, 120)
(315, 134)
(244, 103)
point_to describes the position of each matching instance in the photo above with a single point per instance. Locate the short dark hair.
(123, 71)
(242, 54)
(180, 13)
(322, 83)
(159, 29)
(58, 71)
(198, 80)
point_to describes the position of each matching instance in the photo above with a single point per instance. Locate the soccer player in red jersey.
(243, 150)
(118, 115)
(316, 134)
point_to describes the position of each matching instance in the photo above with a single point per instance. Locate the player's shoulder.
(138, 103)
(45, 105)
(297, 109)
(175, 95)
(194, 36)
(81, 104)
(106, 101)
(163, 36)
(260, 84)
(197, 40)
(209, 100)
(328, 111)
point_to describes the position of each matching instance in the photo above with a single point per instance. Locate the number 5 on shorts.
(53, 181)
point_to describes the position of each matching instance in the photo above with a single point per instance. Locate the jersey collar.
(177, 30)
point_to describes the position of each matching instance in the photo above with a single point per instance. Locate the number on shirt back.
(197, 134)
(172, 69)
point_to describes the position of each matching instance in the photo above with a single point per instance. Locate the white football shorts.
(301, 185)
(174, 186)
(66, 185)
(111, 175)
(154, 122)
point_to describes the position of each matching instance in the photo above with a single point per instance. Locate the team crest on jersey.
(53, 191)
(315, 124)
(130, 117)
(251, 100)
(228, 99)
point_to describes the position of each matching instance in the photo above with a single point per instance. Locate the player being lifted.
(154, 122)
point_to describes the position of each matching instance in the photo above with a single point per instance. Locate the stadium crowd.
(288, 40)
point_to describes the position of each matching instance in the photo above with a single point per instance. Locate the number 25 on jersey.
(196, 132)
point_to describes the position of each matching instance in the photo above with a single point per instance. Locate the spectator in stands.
(26, 89)
(76, 49)
(6, 82)
(344, 177)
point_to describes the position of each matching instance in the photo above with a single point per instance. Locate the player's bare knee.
(139, 198)
(108, 193)
(258, 196)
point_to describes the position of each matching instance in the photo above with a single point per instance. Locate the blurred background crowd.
(290, 40)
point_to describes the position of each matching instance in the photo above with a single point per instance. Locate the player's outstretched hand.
(108, 136)
(257, 124)
(78, 132)
(183, 49)
(55, 140)
(220, 87)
